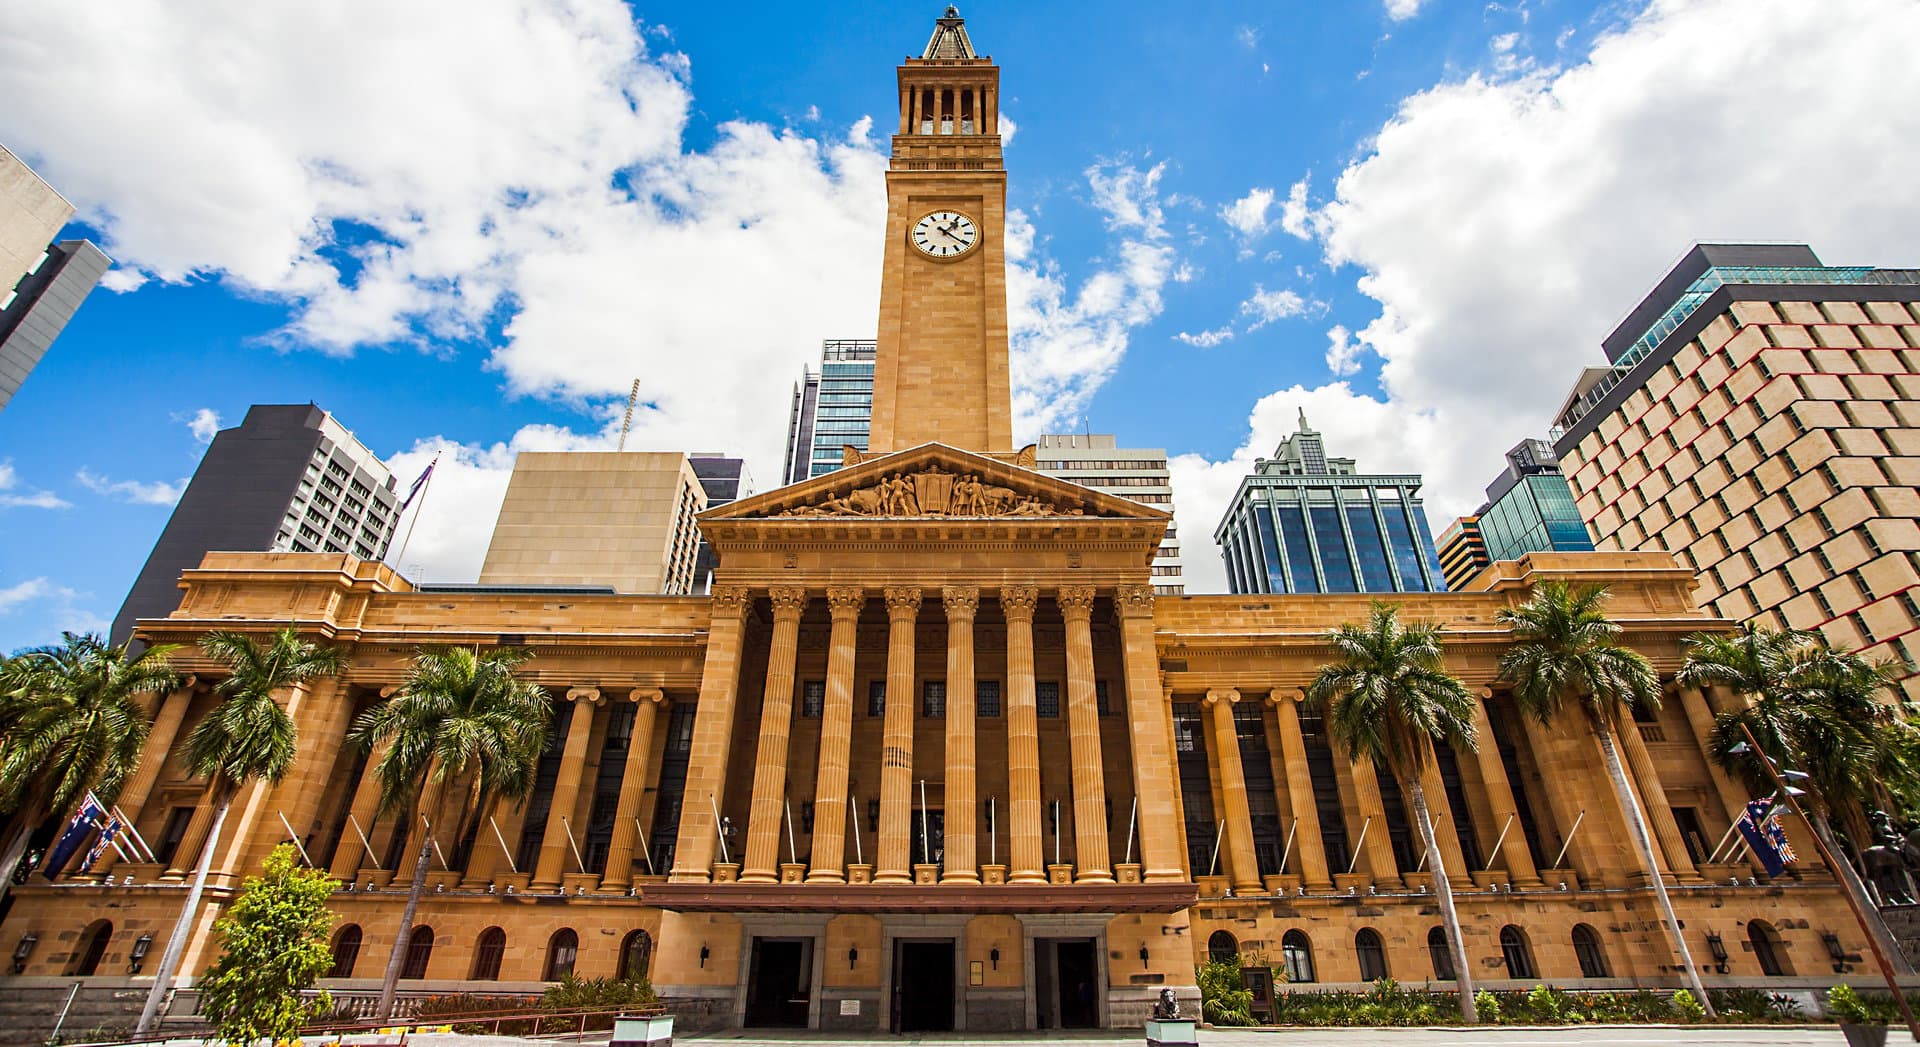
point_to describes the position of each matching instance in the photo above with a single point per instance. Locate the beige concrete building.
(1761, 422)
(1097, 460)
(621, 519)
(41, 282)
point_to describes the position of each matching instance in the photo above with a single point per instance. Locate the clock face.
(945, 234)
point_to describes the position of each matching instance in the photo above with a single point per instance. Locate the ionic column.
(776, 726)
(1026, 844)
(1440, 809)
(1241, 864)
(836, 738)
(896, 747)
(1515, 856)
(962, 603)
(1379, 843)
(1700, 721)
(1083, 733)
(153, 758)
(1150, 732)
(1653, 796)
(697, 840)
(555, 845)
(618, 874)
(351, 851)
(1307, 842)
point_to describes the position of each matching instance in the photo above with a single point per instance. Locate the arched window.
(1766, 948)
(1516, 952)
(1441, 955)
(419, 951)
(636, 955)
(346, 950)
(1221, 948)
(487, 951)
(562, 948)
(1372, 955)
(1586, 948)
(93, 946)
(1296, 954)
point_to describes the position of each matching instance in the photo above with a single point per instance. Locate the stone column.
(1083, 733)
(894, 849)
(1379, 843)
(1308, 845)
(618, 875)
(1440, 808)
(351, 852)
(1026, 844)
(153, 758)
(762, 863)
(323, 711)
(962, 603)
(844, 602)
(556, 850)
(188, 853)
(1700, 721)
(1241, 864)
(1653, 797)
(1150, 732)
(697, 840)
(1515, 857)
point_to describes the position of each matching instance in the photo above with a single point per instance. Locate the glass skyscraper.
(1530, 509)
(1306, 523)
(832, 407)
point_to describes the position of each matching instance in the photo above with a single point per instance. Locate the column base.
(1027, 876)
(1094, 876)
(892, 876)
(827, 876)
(961, 876)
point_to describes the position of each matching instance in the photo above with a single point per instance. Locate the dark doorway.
(777, 982)
(923, 986)
(1066, 983)
(87, 959)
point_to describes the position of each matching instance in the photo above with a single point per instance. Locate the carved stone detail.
(960, 601)
(845, 600)
(903, 601)
(1017, 601)
(787, 600)
(1223, 694)
(729, 600)
(1133, 601)
(590, 695)
(933, 492)
(1076, 601)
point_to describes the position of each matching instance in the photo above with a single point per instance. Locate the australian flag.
(78, 827)
(107, 835)
(1768, 838)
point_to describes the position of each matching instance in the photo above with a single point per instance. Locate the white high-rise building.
(1095, 460)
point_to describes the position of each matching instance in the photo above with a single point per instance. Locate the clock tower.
(940, 374)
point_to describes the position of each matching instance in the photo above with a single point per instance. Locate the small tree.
(276, 946)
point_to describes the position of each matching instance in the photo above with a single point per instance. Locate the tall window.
(876, 698)
(419, 951)
(1046, 698)
(1516, 953)
(1371, 954)
(1296, 954)
(1586, 949)
(813, 699)
(986, 698)
(487, 951)
(346, 950)
(1766, 948)
(636, 956)
(1101, 703)
(1441, 956)
(933, 699)
(562, 949)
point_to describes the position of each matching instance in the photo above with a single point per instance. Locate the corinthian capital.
(960, 601)
(1133, 601)
(729, 600)
(845, 600)
(1076, 601)
(788, 601)
(903, 601)
(1017, 601)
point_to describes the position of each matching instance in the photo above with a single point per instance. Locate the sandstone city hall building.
(933, 755)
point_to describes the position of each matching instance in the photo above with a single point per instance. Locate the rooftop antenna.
(633, 398)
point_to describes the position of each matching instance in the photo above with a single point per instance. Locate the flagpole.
(426, 483)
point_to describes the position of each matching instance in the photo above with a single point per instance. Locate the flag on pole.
(1768, 838)
(107, 835)
(81, 824)
(419, 482)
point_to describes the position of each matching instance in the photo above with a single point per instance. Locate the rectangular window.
(813, 699)
(876, 697)
(1046, 698)
(1100, 698)
(986, 698)
(933, 699)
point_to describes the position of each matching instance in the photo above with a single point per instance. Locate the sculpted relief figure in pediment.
(933, 492)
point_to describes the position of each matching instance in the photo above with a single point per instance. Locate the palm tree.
(247, 737)
(1388, 699)
(463, 727)
(69, 724)
(1819, 711)
(1567, 651)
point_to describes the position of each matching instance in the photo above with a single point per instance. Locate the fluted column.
(1440, 808)
(1307, 842)
(1241, 864)
(1379, 843)
(1083, 733)
(836, 738)
(896, 747)
(698, 838)
(776, 727)
(633, 782)
(962, 603)
(1653, 796)
(1700, 722)
(1515, 856)
(351, 852)
(1150, 734)
(188, 852)
(323, 711)
(153, 758)
(556, 846)
(1026, 844)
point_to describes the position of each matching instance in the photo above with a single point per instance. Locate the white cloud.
(1267, 306)
(1401, 10)
(56, 607)
(1504, 226)
(1342, 351)
(1007, 129)
(203, 424)
(10, 498)
(1296, 217)
(1248, 215)
(157, 492)
(1206, 339)
(1248, 36)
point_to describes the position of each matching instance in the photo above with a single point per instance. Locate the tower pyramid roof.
(949, 38)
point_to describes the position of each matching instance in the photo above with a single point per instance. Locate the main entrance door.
(1066, 983)
(777, 980)
(923, 985)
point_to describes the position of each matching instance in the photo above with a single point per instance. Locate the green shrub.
(1755, 1005)
(1544, 1006)
(1858, 1008)
(1689, 1008)
(1224, 998)
(274, 945)
(1488, 1007)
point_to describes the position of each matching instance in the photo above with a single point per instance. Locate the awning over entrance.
(921, 898)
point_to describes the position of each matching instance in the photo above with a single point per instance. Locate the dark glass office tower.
(832, 407)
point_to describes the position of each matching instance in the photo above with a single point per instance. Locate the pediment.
(934, 481)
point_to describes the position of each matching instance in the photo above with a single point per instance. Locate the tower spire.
(949, 38)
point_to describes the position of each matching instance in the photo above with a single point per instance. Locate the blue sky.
(465, 228)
